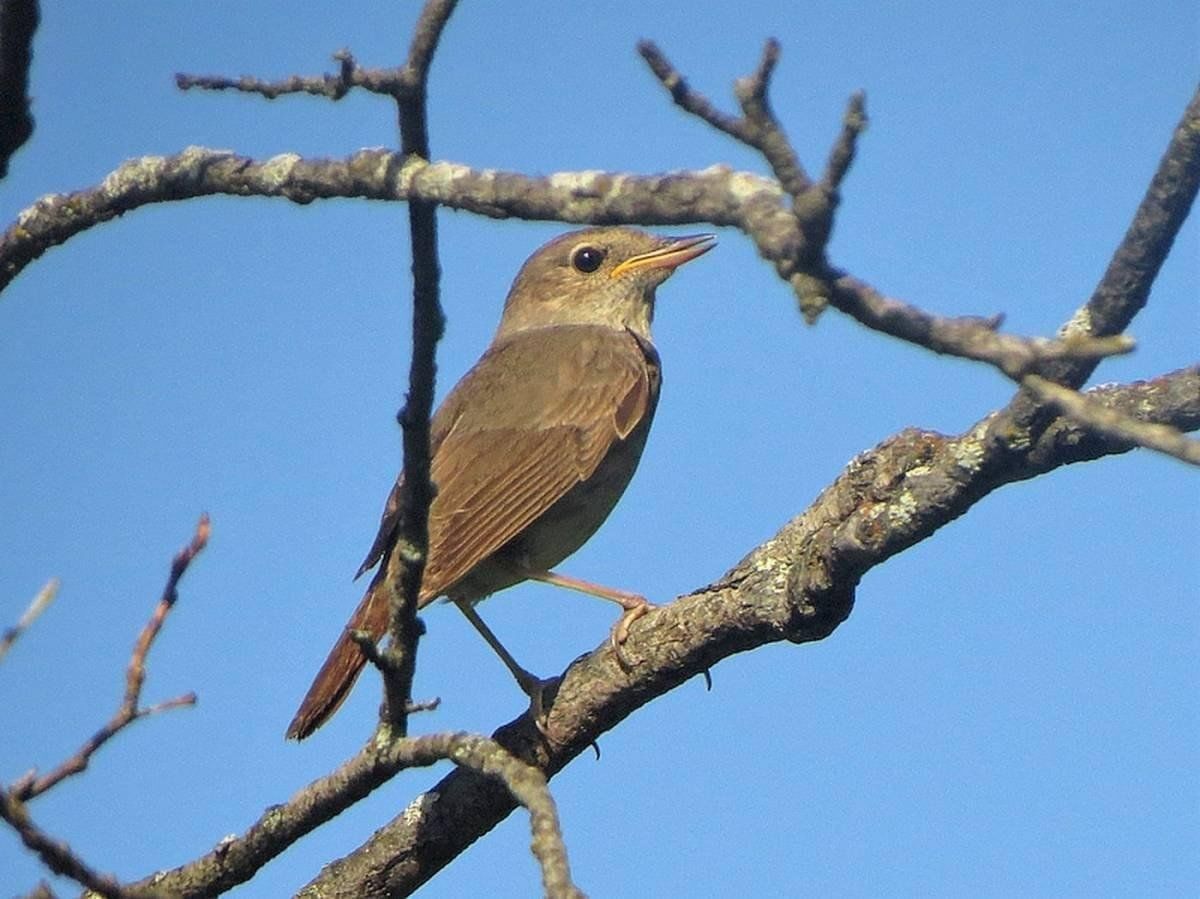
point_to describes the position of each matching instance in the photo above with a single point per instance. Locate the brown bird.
(535, 445)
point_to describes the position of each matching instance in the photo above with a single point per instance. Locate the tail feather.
(333, 682)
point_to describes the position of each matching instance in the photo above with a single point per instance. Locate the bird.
(533, 447)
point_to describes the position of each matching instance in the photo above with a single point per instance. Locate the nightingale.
(534, 446)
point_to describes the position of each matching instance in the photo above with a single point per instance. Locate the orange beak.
(670, 256)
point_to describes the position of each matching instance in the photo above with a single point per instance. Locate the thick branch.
(797, 586)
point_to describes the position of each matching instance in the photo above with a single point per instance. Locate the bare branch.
(408, 555)
(129, 711)
(757, 127)
(841, 156)
(690, 100)
(403, 84)
(797, 586)
(333, 87)
(39, 604)
(56, 855)
(769, 136)
(236, 860)
(18, 22)
(717, 195)
(1114, 424)
(1125, 286)
(528, 786)
(426, 35)
(968, 338)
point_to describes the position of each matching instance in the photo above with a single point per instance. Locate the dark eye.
(587, 259)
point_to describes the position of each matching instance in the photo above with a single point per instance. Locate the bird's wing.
(544, 410)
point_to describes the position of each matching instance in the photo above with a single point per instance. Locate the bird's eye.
(587, 259)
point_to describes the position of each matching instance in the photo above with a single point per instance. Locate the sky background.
(1012, 708)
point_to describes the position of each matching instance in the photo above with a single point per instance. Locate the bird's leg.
(531, 685)
(635, 605)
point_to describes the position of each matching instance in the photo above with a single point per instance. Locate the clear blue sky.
(1012, 709)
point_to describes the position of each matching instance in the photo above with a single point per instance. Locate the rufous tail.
(332, 684)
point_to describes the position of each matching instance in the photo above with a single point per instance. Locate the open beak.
(669, 256)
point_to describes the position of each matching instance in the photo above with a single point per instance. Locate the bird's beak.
(670, 256)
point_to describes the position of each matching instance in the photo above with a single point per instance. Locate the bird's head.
(597, 276)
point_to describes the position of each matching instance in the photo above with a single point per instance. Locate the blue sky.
(1012, 709)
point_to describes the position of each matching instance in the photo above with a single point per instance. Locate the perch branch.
(797, 586)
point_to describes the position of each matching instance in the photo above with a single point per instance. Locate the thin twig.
(968, 337)
(1125, 285)
(405, 562)
(332, 86)
(854, 123)
(55, 854)
(756, 127)
(39, 604)
(769, 137)
(690, 100)
(129, 711)
(1114, 424)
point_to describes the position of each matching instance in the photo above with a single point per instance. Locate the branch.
(405, 561)
(968, 337)
(715, 195)
(236, 860)
(757, 127)
(1125, 286)
(1126, 283)
(799, 256)
(797, 586)
(18, 22)
(129, 711)
(1114, 424)
(56, 855)
(333, 87)
(39, 604)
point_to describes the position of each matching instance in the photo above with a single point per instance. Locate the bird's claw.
(620, 631)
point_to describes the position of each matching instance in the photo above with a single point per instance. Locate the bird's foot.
(635, 607)
(541, 693)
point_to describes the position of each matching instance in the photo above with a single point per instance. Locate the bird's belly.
(561, 529)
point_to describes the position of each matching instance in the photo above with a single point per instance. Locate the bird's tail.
(332, 684)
